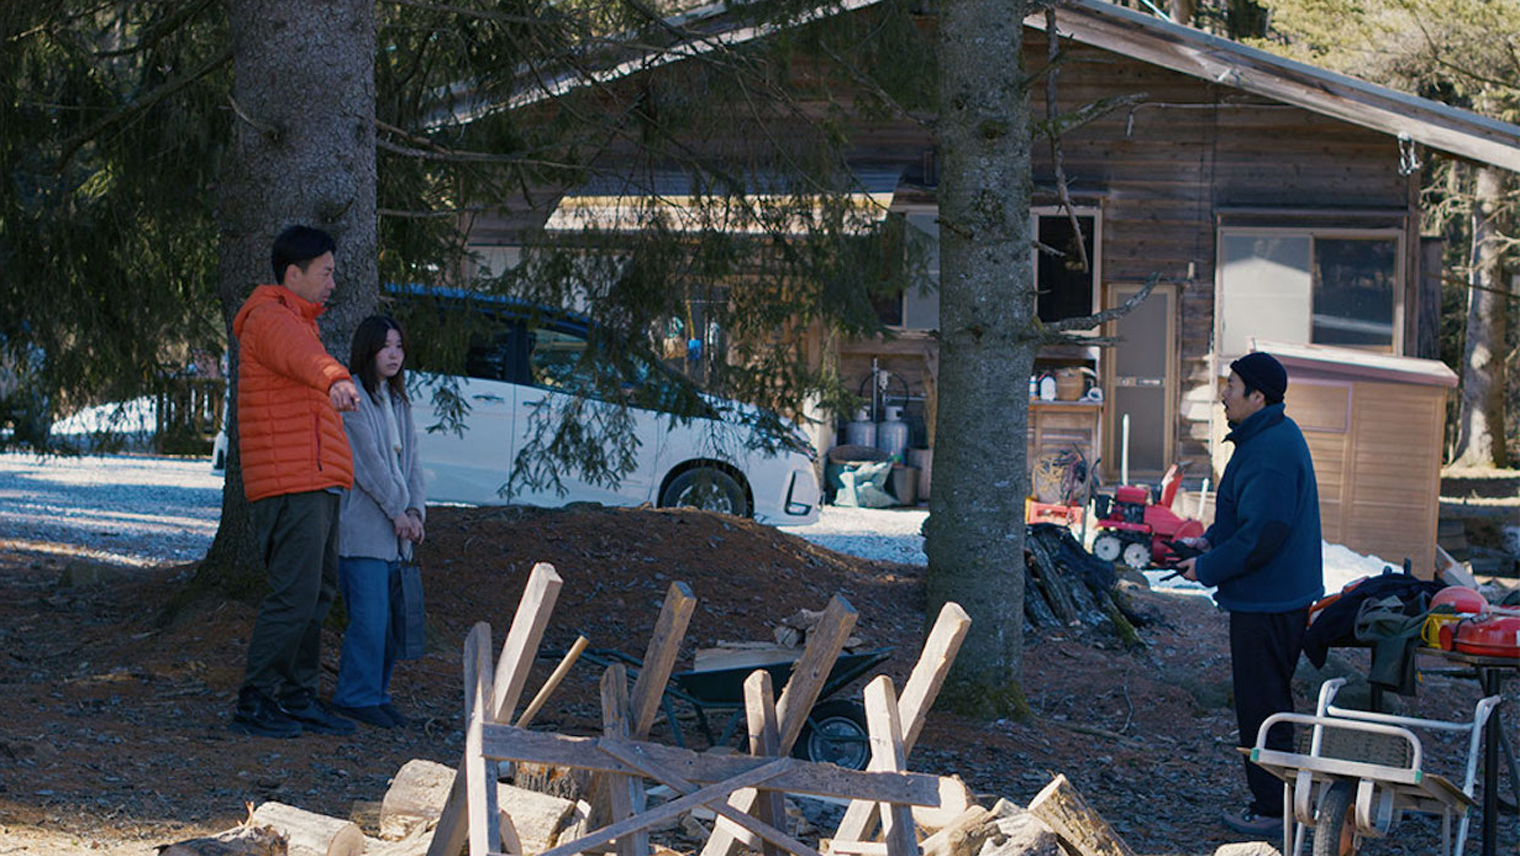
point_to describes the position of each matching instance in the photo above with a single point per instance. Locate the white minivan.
(523, 368)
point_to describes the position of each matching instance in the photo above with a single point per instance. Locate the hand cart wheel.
(1335, 828)
(835, 733)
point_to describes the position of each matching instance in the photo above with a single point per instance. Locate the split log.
(955, 798)
(963, 836)
(1084, 832)
(311, 834)
(1250, 848)
(242, 841)
(416, 798)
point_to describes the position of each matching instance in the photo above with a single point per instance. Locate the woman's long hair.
(369, 339)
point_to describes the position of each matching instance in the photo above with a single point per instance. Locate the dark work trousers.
(1264, 649)
(298, 535)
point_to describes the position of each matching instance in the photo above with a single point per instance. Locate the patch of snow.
(883, 534)
(1342, 567)
(138, 416)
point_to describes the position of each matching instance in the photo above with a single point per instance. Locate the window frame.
(1313, 234)
(1095, 256)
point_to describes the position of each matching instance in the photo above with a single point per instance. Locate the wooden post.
(517, 654)
(660, 658)
(809, 675)
(889, 756)
(521, 644)
(625, 794)
(1081, 829)
(760, 710)
(478, 772)
(923, 686)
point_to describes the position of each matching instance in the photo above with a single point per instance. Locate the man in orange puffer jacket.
(296, 464)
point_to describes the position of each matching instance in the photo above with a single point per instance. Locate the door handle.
(489, 399)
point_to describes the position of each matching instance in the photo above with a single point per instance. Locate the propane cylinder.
(892, 434)
(860, 431)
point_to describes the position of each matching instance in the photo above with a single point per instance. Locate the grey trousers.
(298, 536)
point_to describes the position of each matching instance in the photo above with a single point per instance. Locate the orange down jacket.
(290, 436)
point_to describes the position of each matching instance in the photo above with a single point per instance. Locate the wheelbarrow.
(1356, 772)
(835, 732)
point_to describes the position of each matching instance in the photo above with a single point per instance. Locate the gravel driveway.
(141, 510)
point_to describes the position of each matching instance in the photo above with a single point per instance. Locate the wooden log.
(1037, 610)
(241, 841)
(1081, 829)
(954, 799)
(963, 836)
(308, 833)
(417, 795)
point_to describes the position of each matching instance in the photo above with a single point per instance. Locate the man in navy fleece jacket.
(1264, 555)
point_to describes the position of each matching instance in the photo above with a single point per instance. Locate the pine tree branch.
(1057, 158)
(162, 91)
(435, 152)
(501, 17)
(158, 30)
(1087, 322)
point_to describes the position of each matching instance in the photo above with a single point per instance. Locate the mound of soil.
(113, 729)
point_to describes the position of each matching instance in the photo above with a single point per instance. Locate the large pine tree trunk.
(975, 540)
(1480, 432)
(303, 151)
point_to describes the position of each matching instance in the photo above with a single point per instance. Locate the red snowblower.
(1136, 526)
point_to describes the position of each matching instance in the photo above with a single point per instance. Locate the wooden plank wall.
(1377, 458)
(1160, 172)
(1189, 149)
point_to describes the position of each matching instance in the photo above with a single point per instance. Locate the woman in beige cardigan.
(381, 520)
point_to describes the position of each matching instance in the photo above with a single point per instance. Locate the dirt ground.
(113, 728)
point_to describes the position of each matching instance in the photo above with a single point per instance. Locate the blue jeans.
(364, 672)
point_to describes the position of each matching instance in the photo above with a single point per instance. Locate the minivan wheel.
(707, 488)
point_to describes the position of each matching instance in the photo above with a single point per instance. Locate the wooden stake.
(478, 772)
(809, 675)
(660, 658)
(625, 794)
(889, 756)
(521, 646)
(923, 686)
(760, 708)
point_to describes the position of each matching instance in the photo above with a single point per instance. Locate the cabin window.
(1065, 287)
(916, 307)
(1323, 287)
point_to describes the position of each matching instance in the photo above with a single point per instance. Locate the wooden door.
(1140, 380)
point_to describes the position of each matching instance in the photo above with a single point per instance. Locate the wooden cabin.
(1273, 200)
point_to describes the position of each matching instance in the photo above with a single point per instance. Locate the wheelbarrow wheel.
(1335, 828)
(835, 733)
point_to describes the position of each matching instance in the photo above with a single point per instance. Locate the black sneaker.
(373, 715)
(258, 715)
(311, 715)
(1247, 822)
(397, 717)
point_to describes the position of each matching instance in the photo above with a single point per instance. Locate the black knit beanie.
(1263, 371)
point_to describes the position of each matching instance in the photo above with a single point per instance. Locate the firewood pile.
(736, 802)
(1067, 586)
